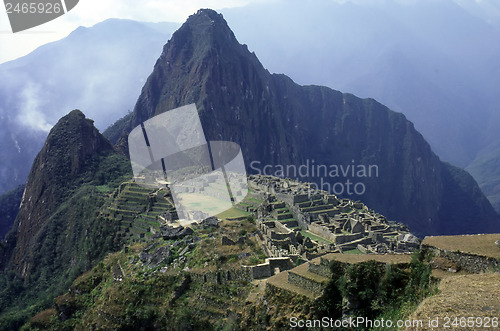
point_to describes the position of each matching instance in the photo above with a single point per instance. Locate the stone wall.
(303, 220)
(259, 271)
(276, 231)
(317, 208)
(322, 231)
(281, 236)
(305, 283)
(290, 224)
(266, 269)
(322, 269)
(471, 262)
(286, 198)
(283, 216)
(354, 245)
(345, 238)
(221, 276)
(283, 263)
(274, 291)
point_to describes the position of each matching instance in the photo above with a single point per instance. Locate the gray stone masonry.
(342, 222)
(345, 238)
(221, 276)
(322, 268)
(283, 263)
(354, 244)
(471, 262)
(312, 282)
(260, 271)
(267, 269)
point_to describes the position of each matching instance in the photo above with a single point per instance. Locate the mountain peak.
(203, 53)
(277, 122)
(208, 21)
(74, 134)
(76, 113)
(67, 159)
(203, 33)
(206, 14)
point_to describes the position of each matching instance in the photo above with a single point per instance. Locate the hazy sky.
(90, 12)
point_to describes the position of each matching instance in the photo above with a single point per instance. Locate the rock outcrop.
(70, 157)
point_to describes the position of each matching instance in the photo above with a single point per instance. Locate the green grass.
(288, 219)
(104, 189)
(353, 251)
(256, 201)
(233, 212)
(244, 204)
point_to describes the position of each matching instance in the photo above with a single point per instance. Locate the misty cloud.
(30, 112)
(99, 70)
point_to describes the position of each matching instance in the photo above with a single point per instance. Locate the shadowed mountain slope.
(57, 233)
(279, 123)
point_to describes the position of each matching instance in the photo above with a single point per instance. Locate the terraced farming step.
(123, 212)
(280, 281)
(302, 277)
(322, 268)
(278, 205)
(310, 279)
(318, 207)
(132, 198)
(140, 189)
(134, 207)
(286, 216)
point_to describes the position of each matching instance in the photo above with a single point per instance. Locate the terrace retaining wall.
(471, 262)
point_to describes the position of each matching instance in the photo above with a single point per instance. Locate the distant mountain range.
(100, 69)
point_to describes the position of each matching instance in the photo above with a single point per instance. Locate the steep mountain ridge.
(435, 61)
(278, 122)
(55, 172)
(431, 60)
(57, 233)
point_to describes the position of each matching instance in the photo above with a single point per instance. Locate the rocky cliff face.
(71, 150)
(279, 123)
(59, 232)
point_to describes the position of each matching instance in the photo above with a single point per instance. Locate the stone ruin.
(294, 212)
